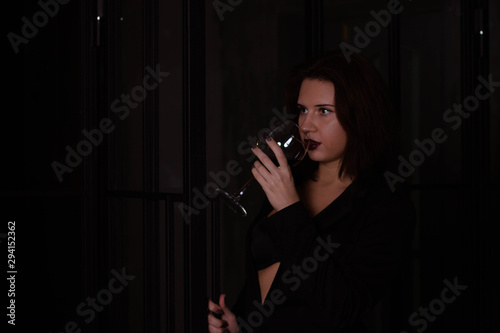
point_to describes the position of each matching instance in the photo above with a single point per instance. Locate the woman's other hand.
(227, 323)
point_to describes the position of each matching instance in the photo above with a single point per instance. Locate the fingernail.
(268, 138)
(219, 311)
(253, 146)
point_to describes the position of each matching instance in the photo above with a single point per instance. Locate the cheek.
(337, 138)
(300, 123)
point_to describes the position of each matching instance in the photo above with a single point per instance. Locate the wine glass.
(287, 136)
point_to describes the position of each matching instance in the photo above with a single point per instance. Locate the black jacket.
(334, 267)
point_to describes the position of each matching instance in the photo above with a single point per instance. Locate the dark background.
(119, 207)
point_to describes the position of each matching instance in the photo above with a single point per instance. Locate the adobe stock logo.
(437, 306)
(221, 7)
(222, 178)
(292, 279)
(453, 116)
(382, 18)
(120, 107)
(92, 305)
(40, 19)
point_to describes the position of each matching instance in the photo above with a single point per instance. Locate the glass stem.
(242, 189)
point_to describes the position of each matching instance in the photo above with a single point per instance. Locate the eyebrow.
(317, 105)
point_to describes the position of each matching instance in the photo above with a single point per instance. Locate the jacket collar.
(342, 205)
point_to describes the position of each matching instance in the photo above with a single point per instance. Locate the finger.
(214, 307)
(216, 323)
(212, 329)
(257, 172)
(264, 159)
(222, 302)
(278, 152)
(264, 172)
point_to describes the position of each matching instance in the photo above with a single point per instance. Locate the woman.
(332, 236)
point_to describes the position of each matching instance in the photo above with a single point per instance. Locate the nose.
(307, 124)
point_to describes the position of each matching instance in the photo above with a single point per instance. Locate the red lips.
(312, 144)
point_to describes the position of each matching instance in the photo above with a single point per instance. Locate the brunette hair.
(363, 108)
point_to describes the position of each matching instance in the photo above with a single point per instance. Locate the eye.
(324, 111)
(301, 109)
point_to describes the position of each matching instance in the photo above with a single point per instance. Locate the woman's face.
(318, 119)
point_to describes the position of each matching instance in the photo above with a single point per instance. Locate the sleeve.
(248, 289)
(341, 281)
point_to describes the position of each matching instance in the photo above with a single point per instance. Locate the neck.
(328, 174)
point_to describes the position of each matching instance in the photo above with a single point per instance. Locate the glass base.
(232, 202)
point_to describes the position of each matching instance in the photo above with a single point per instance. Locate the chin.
(319, 157)
(314, 156)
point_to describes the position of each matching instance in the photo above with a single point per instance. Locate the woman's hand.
(227, 323)
(277, 182)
